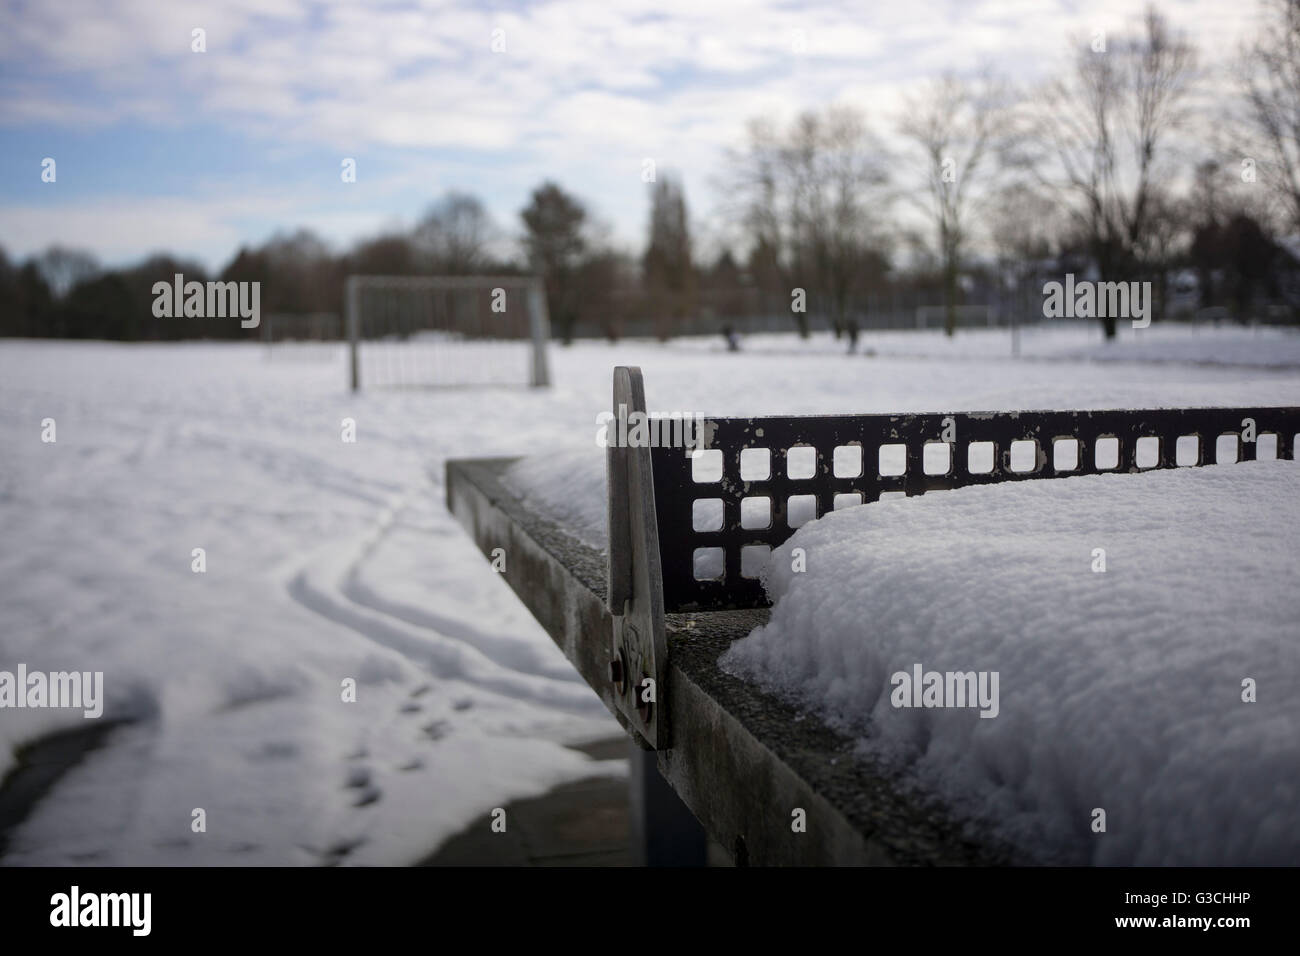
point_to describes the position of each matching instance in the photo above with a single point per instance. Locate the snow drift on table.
(1120, 690)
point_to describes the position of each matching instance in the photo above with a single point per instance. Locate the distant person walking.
(733, 340)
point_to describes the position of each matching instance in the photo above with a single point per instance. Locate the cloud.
(118, 229)
(582, 90)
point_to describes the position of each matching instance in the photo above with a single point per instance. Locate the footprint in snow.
(338, 851)
(358, 777)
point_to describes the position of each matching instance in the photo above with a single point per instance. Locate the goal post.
(446, 330)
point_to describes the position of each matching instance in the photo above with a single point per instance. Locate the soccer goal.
(932, 316)
(413, 331)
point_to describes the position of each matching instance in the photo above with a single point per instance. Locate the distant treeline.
(1118, 169)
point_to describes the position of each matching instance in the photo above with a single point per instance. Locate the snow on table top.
(1120, 690)
(568, 486)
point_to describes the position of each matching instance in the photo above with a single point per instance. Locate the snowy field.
(1257, 346)
(329, 560)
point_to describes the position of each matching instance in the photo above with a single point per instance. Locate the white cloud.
(119, 230)
(584, 88)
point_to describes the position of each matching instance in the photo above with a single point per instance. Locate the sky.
(158, 146)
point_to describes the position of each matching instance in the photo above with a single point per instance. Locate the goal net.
(412, 331)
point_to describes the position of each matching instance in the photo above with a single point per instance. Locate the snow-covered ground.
(329, 560)
(1060, 340)
(325, 561)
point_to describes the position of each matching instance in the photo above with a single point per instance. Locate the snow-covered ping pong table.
(646, 623)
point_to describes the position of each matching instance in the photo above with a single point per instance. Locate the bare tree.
(1106, 130)
(812, 202)
(611, 291)
(387, 255)
(1024, 224)
(668, 267)
(1269, 76)
(456, 232)
(63, 268)
(301, 274)
(957, 126)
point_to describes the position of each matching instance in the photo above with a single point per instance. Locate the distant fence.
(878, 312)
(302, 327)
(902, 310)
